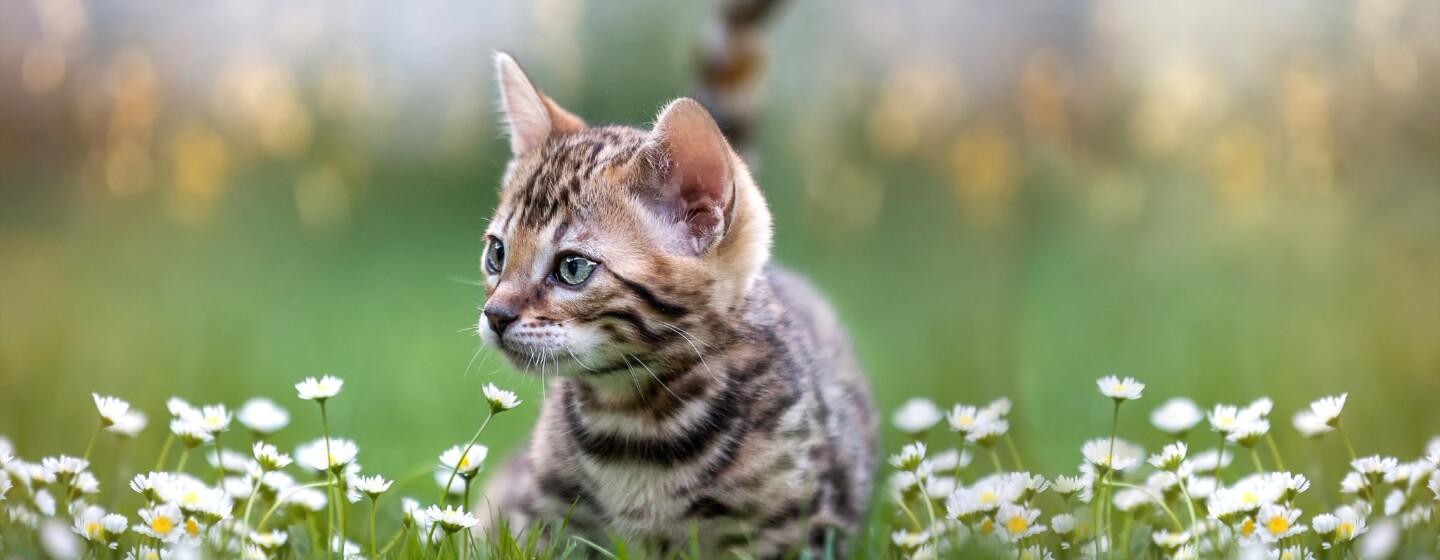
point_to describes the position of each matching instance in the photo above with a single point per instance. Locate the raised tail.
(731, 63)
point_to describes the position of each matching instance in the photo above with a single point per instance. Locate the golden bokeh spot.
(984, 173)
(1176, 102)
(322, 197)
(911, 108)
(1238, 167)
(1044, 89)
(201, 165)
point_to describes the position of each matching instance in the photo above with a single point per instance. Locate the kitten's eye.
(495, 256)
(575, 269)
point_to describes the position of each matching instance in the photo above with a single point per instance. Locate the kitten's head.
(610, 240)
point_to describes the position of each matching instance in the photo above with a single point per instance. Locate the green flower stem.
(1114, 429)
(397, 539)
(994, 460)
(1220, 463)
(93, 438)
(184, 456)
(1349, 448)
(374, 550)
(1189, 503)
(219, 464)
(329, 502)
(1255, 457)
(165, 451)
(1014, 453)
(1274, 452)
(444, 492)
(961, 458)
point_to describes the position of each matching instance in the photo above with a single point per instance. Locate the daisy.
(916, 415)
(275, 482)
(64, 468)
(85, 483)
(318, 390)
(413, 513)
(951, 459)
(1327, 409)
(1293, 484)
(229, 461)
(963, 418)
(1276, 522)
(987, 433)
(1065, 486)
(5, 486)
(1017, 522)
(111, 409)
(1374, 465)
(1120, 389)
(143, 552)
(309, 499)
(269, 458)
(907, 540)
(314, 455)
(1224, 418)
(1249, 431)
(179, 408)
(1209, 461)
(500, 399)
(1063, 525)
(1310, 425)
(451, 519)
(129, 425)
(372, 486)
(1177, 416)
(1170, 458)
(998, 408)
(238, 487)
(1130, 498)
(162, 522)
(1034, 552)
(44, 502)
(213, 418)
(467, 464)
(100, 527)
(149, 485)
(1170, 541)
(1123, 456)
(1354, 483)
(1260, 408)
(1434, 487)
(263, 416)
(191, 434)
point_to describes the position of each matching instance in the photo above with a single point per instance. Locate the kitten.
(695, 384)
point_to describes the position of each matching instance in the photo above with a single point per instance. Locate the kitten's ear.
(691, 164)
(532, 116)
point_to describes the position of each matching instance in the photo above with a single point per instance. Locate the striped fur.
(696, 385)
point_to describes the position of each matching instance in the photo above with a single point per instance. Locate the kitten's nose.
(499, 318)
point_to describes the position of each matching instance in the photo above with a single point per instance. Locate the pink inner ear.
(698, 170)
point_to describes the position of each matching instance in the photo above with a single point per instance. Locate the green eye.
(495, 256)
(575, 269)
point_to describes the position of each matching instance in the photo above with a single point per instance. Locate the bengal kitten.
(697, 385)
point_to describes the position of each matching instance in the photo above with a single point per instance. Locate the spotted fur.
(696, 385)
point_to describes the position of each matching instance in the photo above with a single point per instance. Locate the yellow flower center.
(987, 527)
(1249, 498)
(190, 498)
(989, 498)
(162, 525)
(1248, 527)
(192, 527)
(1278, 525)
(465, 462)
(94, 530)
(1345, 530)
(1017, 525)
(967, 420)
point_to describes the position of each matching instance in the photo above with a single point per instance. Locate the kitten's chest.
(640, 500)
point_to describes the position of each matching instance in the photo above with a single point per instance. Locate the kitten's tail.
(730, 66)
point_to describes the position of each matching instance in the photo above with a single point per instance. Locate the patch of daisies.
(216, 494)
(1233, 498)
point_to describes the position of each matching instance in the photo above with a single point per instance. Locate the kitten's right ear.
(531, 115)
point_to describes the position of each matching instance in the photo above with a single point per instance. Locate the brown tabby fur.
(696, 384)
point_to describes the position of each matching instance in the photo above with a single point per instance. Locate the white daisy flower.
(191, 433)
(162, 522)
(1017, 522)
(451, 519)
(263, 416)
(465, 464)
(1224, 418)
(1297, 552)
(963, 418)
(1177, 416)
(1130, 498)
(1170, 541)
(1343, 526)
(269, 541)
(269, 458)
(85, 483)
(1293, 484)
(414, 514)
(1310, 425)
(1277, 522)
(1354, 483)
(213, 418)
(1328, 409)
(179, 408)
(1374, 465)
(5, 486)
(372, 486)
(1249, 431)
(500, 400)
(129, 425)
(1067, 485)
(1435, 486)
(100, 527)
(238, 487)
(190, 494)
(997, 408)
(1260, 408)
(916, 415)
(312, 389)
(347, 550)
(1063, 525)
(144, 552)
(1034, 552)
(1209, 461)
(1380, 541)
(1124, 456)
(950, 459)
(987, 433)
(64, 466)
(44, 502)
(909, 540)
(111, 409)
(275, 482)
(1120, 389)
(446, 477)
(149, 485)
(1171, 457)
(314, 455)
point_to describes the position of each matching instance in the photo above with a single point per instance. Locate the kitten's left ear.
(691, 164)
(533, 117)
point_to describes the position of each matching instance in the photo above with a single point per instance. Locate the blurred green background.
(1224, 200)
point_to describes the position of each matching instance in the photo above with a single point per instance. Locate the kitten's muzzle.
(499, 318)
